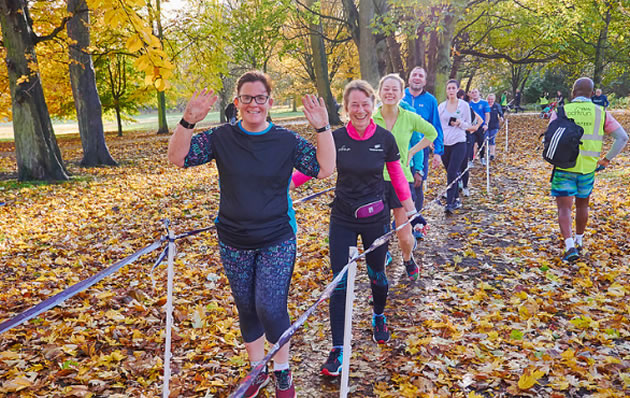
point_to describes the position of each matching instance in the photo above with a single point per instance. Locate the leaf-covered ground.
(495, 312)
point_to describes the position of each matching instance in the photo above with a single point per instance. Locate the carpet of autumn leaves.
(495, 312)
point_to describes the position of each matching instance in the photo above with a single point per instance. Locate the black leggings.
(340, 239)
(453, 159)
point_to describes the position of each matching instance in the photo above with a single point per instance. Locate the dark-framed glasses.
(247, 99)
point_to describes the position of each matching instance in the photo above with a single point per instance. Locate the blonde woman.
(402, 124)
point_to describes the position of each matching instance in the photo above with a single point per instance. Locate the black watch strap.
(187, 125)
(321, 130)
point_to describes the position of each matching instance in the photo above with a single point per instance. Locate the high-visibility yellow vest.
(591, 118)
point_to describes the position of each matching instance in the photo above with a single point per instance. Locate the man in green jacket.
(577, 182)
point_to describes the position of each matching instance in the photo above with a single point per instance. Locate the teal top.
(406, 123)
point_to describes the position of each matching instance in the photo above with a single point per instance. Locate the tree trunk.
(86, 99)
(394, 54)
(471, 77)
(118, 120)
(161, 97)
(162, 124)
(431, 69)
(320, 63)
(368, 59)
(443, 59)
(457, 62)
(599, 50)
(38, 156)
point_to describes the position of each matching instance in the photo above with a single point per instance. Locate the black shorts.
(390, 195)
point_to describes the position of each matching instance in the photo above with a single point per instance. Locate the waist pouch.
(369, 209)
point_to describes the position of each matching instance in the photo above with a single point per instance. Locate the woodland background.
(495, 312)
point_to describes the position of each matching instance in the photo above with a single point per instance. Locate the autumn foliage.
(495, 312)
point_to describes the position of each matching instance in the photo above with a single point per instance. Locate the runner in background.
(402, 124)
(425, 105)
(480, 106)
(455, 119)
(468, 164)
(496, 118)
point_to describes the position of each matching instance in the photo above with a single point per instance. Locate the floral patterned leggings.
(260, 279)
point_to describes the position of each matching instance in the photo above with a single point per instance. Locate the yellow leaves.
(529, 378)
(414, 343)
(15, 385)
(584, 322)
(568, 354)
(617, 290)
(153, 61)
(528, 309)
(115, 17)
(22, 79)
(111, 359)
(198, 316)
(134, 43)
(136, 3)
(9, 355)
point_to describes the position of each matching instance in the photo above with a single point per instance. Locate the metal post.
(169, 311)
(507, 123)
(487, 165)
(347, 334)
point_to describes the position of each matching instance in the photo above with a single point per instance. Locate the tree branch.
(53, 34)
(513, 61)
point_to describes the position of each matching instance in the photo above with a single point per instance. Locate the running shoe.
(259, 383)
(388, 259)
(381, 333)
(332, 367)
(571, 255)
(470, 164)
(483, 161)
(412, 269)
(492, 158)
(466, 192)
(457, 205)
(284, 384)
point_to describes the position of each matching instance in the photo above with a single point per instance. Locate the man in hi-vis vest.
(578, 181)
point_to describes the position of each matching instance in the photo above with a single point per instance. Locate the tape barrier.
(309, 197)
(286, 336)
(94, 279)
(76, 288)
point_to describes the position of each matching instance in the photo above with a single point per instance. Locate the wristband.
(322, 129)
(187, 125)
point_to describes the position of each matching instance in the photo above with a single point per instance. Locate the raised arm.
(317, 115)
(196, 110)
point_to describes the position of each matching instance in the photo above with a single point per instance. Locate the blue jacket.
(426, 106)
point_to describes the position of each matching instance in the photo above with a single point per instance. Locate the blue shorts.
(566, 183)
(492, 135)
